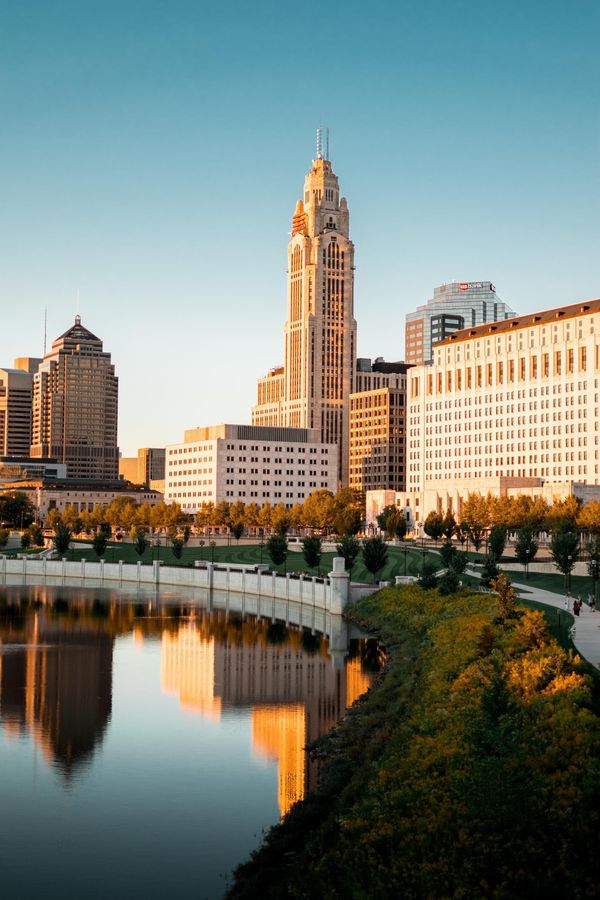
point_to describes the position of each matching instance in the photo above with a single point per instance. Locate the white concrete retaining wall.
(327, 594)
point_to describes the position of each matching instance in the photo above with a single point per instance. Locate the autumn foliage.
(473, 769)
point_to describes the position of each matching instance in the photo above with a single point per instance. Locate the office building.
(378, 426)
(16, 393)
(460, 304)
(254, 464)
(75, 400)
(312, 389)
(510, 407)
(146, 467)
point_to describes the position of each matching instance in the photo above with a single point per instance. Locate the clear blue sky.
(152, 153)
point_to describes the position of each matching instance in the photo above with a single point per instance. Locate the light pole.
(213, 544)
(405, 551)
(570, 558)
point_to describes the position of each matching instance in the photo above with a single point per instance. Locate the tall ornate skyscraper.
(75, 400)
(313, 388)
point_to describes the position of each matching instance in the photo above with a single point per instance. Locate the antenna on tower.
(45, 327)
(319, 143)
(327, 143)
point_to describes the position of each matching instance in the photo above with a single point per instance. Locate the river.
(147, 743)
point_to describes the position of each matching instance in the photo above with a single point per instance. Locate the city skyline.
(467, 138)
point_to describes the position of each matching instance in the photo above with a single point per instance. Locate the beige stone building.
(251, 463)
(507, 407)
(75, 400)
(312, 389)
(82, 494)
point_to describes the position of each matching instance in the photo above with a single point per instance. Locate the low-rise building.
(251, 463)
(82, 494)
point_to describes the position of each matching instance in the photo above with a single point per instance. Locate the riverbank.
(471, 769)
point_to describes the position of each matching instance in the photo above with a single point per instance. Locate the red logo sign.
(464, 286)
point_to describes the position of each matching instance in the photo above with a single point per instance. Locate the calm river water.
(146, 747)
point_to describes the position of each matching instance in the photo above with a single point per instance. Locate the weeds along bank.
(472, 769)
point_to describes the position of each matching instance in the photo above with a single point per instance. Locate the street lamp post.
(213, 544)
(570, 558)
(405, 551)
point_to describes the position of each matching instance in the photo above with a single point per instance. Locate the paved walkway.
(586, 630)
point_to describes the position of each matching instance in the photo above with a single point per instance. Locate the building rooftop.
(550, 315)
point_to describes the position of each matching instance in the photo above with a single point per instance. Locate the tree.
(140, 542)
(428, 577)
(319, 510)
(589, 517)
(475, 518)
(489, 571)
(62, 538)
(25, 540)
(434, 526)
(374, 553)
(4, 536)
(349, 512)
(497, 541)
(280, 519)
(177, 546)
(448, 524)
(187, 530)
(401, 525)
(36, 535)
(564, 548)
(237, 529)
(16, 509)
(105, 529)
(526, 547)
(348, 548)
(563, 515)
(99, 544)
(311, 550)
(277, 549)
(383, 516)
(506, 596)
(447, 551)
(449, 583)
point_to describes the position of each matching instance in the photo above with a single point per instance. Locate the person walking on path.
(577, 607)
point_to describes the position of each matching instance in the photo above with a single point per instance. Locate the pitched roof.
(78, 332)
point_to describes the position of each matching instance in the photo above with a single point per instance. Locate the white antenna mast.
(319, 143)
(327, 143)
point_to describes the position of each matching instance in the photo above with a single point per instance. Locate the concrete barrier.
(329, 594)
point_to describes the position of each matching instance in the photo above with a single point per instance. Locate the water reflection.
(204, 706)
(295, 696)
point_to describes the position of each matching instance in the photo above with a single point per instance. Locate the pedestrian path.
(586, 630)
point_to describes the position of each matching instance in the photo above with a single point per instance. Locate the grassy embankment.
(472, 769)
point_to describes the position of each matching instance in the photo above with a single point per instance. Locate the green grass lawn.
(555, 582)
(250, 554)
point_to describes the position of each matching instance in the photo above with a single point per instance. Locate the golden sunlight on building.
(278, 732)
(188, 670)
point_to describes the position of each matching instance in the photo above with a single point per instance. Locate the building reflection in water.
(295, 695)
(56, 656)
(55, 682)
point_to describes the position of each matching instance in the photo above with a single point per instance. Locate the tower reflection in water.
(56, 658)
(284, 675)
(55, 681)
